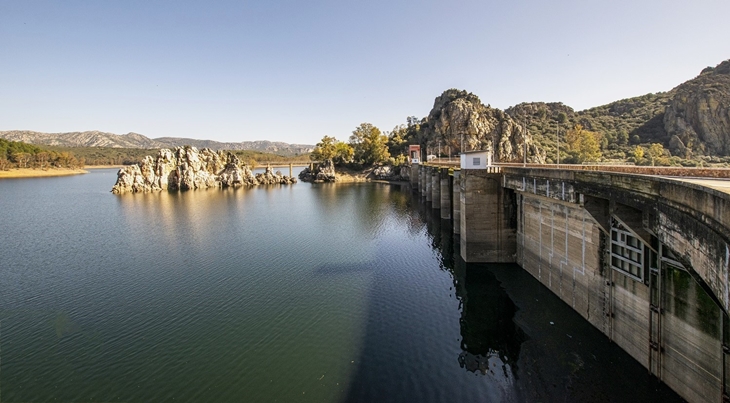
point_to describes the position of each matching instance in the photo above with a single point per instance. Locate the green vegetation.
(369, 145)
(331, 149)
(254, 158)
(655, 155)
(16, 154)
(582, 145)
(619, 128)
(131, 156)
(106, 155)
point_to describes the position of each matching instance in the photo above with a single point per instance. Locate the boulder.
(322, 172)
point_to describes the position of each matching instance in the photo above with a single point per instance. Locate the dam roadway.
(642, 253)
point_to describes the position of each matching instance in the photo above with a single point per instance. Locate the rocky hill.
(134, 140)
(460, 121)
(691, 120)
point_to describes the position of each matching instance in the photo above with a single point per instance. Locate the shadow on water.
(518, 341)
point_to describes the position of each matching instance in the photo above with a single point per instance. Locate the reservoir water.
(303, 293)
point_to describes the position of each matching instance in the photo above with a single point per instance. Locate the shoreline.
(16, 173)
(103, 166)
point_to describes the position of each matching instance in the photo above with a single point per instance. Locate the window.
(627, 251)
(476, 161)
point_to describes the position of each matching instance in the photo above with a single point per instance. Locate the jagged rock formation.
(323, 172)
(187, 168)
(691, 119)
(698, 116)
(391, 173)
(135, 140)
(458, 117)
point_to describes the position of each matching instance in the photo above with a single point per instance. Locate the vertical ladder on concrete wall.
(725, 358)
(608, 286)
(657, 272)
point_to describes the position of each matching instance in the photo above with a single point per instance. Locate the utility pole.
(439, 154)
(557, 139)
(524, 154)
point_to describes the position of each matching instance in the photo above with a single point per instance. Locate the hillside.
(134, 140)
(692, 121)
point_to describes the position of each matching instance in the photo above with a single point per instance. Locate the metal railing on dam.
(642, 253)
(699, 172)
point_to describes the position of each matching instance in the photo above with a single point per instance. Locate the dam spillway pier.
(642, 256)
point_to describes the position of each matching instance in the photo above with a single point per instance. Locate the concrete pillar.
(435, 188)
(428, 181)
(414, 177)
(291, 170)
(421, 180)
(456, 200)
(488, 218)
(445, 183)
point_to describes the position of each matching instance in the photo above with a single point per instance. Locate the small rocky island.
(187, 168)
(325, 172)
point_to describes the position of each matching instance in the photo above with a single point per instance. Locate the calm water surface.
(321, 293)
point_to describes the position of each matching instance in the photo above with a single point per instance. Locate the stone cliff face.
(698, 116)
(458, 116)
(187, 168)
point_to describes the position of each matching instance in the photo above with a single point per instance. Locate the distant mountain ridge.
(136, 140)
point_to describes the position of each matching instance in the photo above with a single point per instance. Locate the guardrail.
(699, 172)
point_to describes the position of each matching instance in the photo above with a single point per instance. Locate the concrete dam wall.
(643, 259)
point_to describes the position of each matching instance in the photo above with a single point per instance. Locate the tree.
(343, 153)
(562, 118)
(583, 145)
(638, 153)
(42, 160)
(324, 150)
(22, 159)
(331, 149)
(658, 155)
(397, 140)
(369, 144)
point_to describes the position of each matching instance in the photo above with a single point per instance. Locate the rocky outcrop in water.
(392, 173)
(269, 177)
(322, 172)
(459, 117)
(187, 168)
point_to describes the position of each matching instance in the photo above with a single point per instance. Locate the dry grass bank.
(38, 173)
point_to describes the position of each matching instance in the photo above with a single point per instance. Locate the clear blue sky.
(297, 70)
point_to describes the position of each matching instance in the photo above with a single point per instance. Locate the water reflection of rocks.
(490, 340)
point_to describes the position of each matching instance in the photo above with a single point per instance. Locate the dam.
(641, 254)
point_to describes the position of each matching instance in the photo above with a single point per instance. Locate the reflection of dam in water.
(517, 334)
(490, 337)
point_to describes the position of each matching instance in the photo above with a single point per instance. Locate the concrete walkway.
(722, 185)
